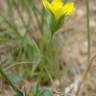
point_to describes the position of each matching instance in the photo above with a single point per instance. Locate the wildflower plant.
(17, 34)
(57, 11)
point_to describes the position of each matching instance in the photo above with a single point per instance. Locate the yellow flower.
(58, 8)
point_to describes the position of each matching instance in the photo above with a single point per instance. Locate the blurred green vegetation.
(29, 50)
(26, 37)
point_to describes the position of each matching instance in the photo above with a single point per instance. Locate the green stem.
(8, 80)
(89, 47)
(88, 30)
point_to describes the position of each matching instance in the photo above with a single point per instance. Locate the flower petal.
(68, 9)
(56, 7)
(56, 4)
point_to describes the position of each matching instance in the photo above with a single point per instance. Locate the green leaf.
(53, 24)
(24, 3)
(65, 1)
(10, 6)
(36, 90)
(1, 19)
(18, 93)
(34, 8)
(14, 79)
(48, 92)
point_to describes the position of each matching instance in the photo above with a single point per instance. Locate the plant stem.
(8, 80)
(89, 46)
(88, 30)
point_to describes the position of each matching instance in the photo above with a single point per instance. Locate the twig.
(85, 74)
(19, 63)
(89, 46)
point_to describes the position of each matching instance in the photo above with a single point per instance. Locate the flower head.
(58, 8)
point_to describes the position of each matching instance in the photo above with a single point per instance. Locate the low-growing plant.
(28, 31)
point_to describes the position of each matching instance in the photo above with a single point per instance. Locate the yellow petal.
(68, 9)
(56, 4)
(59, 14)
(58, 9)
